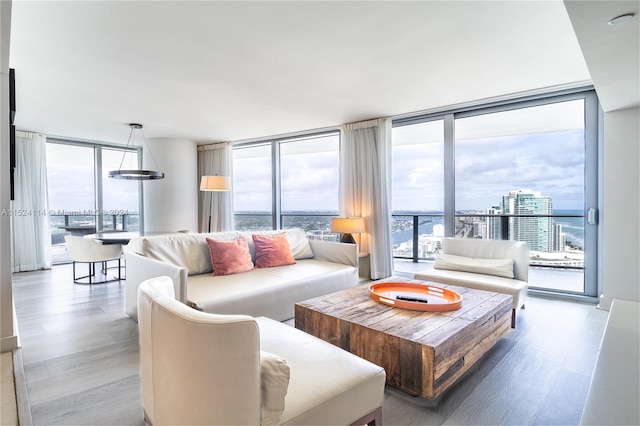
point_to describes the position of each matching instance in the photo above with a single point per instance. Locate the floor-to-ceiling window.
(418, 189)
(523, 170)
(82, 199)
(120, 198)
(252, 187)
(287, 183)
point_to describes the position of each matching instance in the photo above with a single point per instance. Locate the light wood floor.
(80, 356)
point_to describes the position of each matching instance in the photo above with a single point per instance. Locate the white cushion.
(274, 375)
(300, 247)
(497, 267)
(189, 251)
(328, 386)
(514, 287)
(270, 292)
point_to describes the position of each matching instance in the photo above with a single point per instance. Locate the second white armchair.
(92, 252)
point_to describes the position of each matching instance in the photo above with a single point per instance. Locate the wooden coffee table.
(423, 353)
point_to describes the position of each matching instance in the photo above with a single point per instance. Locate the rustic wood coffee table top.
(423, 353)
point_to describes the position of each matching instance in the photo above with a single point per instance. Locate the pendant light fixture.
(135, 174)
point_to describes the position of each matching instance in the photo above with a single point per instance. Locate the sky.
(538, 148)
(487, 168)
(71, 184)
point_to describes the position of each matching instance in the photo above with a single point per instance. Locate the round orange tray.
(437, 299)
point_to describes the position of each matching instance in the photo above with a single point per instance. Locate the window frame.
(97, 165)
(593, 145)
(276, 188)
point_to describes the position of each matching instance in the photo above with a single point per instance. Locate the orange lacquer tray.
(437, 299)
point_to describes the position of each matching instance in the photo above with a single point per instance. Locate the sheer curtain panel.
(31, 237)
(365, 188)
(215, 160)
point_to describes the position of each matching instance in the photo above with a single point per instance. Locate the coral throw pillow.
(229, 257)
(272, 250)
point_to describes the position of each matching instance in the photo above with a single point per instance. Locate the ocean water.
(573, 227)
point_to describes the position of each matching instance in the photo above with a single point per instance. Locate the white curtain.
(215, 160)
(30, 222)
(365, 188)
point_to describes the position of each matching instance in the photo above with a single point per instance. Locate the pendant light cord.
(144, 140)
(126, 147)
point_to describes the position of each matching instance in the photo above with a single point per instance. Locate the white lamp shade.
(215, 183)
(347, 225)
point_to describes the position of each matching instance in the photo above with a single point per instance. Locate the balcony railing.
(419, 236)
(550, 247)
(69, 224)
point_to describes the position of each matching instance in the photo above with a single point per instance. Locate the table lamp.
(347, 226)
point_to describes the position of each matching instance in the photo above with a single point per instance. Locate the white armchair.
(91, 251)
(501, 266)
(202, 368)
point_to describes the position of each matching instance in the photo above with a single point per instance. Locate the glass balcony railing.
(61, 225)
(555, 240)
(316, 225)
(417, 239)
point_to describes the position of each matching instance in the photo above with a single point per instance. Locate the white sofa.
(206, 369)
(501, 266)
(321, 267)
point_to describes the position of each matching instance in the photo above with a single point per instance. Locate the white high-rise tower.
(537, 230)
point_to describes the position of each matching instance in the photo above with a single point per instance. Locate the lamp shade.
(215, 183)
(347, 225)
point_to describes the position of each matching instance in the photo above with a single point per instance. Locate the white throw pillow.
(274, 375)
(189, 251)
(300, 247)
(497, 267)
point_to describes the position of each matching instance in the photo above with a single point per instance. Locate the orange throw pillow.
(229, 257)
(272, 250)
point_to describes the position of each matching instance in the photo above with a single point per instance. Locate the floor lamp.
(214, 184)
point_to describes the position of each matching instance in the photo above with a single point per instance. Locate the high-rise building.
(493, 223)
(559, 238)
(438, 230)
(479, 230)
(537, 231)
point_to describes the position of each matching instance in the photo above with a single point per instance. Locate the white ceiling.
(217, 71)
(611, 51)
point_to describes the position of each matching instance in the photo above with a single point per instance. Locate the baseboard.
(8, 343)
(22, 398)
(604, 303)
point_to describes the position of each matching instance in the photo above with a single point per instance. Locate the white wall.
(621, 219)
(171, 204)
(8, 330)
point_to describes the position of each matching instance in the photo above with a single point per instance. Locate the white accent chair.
(477, 274)
(92, 251)
(203, 368)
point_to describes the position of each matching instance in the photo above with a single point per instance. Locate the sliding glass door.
(520, 170)
(520, 175)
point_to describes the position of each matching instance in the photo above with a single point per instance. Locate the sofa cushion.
(229, 257)
(514, 287)
(274, 380)
(272, 250)
(321, 392)
(271, 292)
(300, 246)
(188, 251)
(497, 267)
